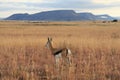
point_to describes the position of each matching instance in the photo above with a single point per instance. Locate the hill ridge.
(59, 15)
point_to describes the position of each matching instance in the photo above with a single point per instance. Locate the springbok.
(60, 54)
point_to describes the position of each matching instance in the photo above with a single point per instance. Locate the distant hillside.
(104, 17)
(117, 18)
(18, 17)
(1, 18)
(59, 15)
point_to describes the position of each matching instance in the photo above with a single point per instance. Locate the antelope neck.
(55, 51)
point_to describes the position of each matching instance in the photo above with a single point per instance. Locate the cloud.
(21, 0)
(113, 11)
(106, 2)
(10, 6)
(66, 4)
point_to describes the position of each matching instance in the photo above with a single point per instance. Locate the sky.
(9, 7)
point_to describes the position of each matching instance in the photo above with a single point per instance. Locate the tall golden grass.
(95, 47)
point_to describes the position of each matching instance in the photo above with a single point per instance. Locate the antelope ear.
(49, 39)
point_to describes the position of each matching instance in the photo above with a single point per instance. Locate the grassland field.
(95, 46)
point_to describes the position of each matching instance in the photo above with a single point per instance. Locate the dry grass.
(95, 47)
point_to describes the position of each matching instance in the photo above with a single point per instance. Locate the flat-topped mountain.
(59, 15)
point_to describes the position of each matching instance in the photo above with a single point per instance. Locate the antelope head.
(49, 44)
